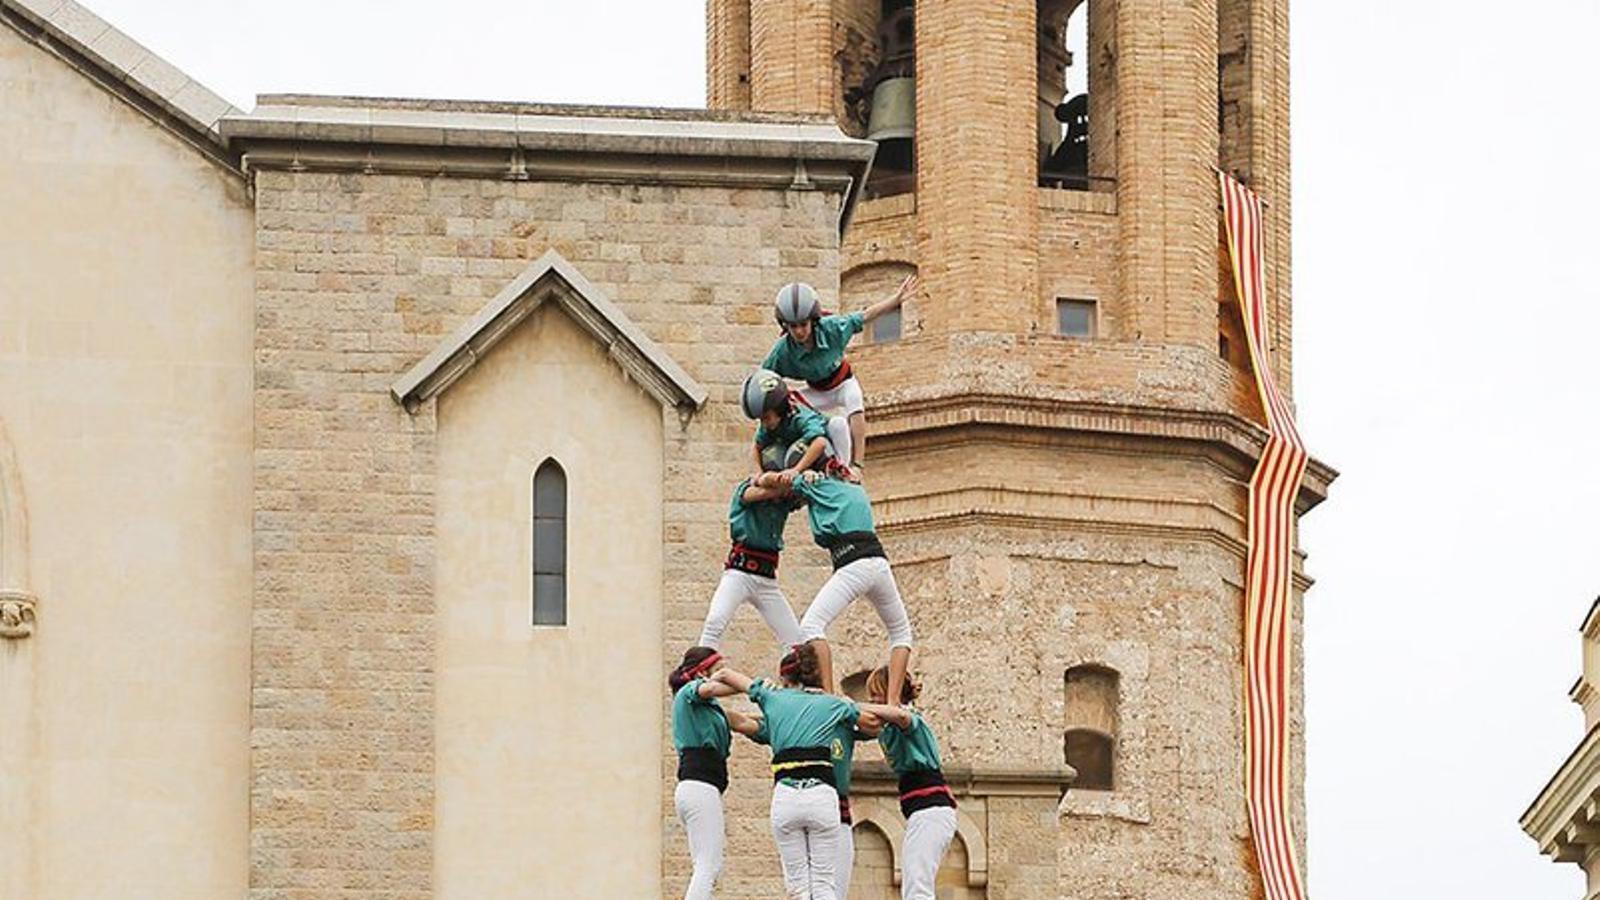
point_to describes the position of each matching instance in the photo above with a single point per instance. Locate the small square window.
(1075, 318)
(886, 327)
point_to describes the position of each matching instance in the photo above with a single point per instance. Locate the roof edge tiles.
(580, 129)
(123, 65)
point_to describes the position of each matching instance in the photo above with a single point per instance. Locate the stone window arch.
(16, 598)
(873, 281)
(1089, 743)
(549, 544)
(880, 834)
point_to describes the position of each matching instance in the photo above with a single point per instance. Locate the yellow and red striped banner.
(1269, 565)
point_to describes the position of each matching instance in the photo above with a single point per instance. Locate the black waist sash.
(844, 810)
(705, 764)
(803, 762)
(756, 562)
(922, 790)
(847, 548)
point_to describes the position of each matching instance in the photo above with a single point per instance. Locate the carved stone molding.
(16, 614)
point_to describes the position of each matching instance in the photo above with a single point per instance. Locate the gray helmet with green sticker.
(797, 452)
(797, 302)
(764, 391)
(773, 457)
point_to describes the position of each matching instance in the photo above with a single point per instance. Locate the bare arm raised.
(906, 289)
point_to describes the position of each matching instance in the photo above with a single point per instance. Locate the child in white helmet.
(812, 350)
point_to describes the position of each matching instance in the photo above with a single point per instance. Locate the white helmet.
(764, 391)
(797, 302)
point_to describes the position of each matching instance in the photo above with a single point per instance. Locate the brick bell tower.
(1064, 421)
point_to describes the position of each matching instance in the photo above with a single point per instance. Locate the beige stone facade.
(274, 387)
(1565, 818)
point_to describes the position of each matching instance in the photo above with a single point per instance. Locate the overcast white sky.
(1446, 345)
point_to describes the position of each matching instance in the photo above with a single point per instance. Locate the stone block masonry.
(358, 277)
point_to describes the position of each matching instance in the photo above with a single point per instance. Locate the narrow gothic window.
(1090, 742)
(550, 544)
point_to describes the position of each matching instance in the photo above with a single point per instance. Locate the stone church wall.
(547, 736)
(359, 277)
(125, 384)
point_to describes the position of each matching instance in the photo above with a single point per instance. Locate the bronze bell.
(894, 109)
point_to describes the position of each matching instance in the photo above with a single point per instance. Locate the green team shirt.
(758, 525)
(802, 423)
(794, 718)
(912, 750)
(698, 721)
(843, 747)
(836, 508)
(829, 336)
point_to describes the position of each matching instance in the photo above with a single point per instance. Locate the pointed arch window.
(549, 544)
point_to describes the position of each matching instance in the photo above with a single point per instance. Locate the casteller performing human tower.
(1065, 420)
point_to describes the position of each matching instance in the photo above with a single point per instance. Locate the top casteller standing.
(812, 350)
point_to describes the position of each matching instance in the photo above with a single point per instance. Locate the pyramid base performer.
(841, 522)
(800, 722)
(700, 733)
(756, 517)
(925, 800)
(843, 749)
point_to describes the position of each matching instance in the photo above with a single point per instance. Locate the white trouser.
(843, 400)
(738, 587)
(700, 810)
(839, 437)
(928, 834)
(870, 578)
(844, 864)
(805, 823)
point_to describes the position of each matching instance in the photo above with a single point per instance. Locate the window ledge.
(886, 207)
(1099, 202)
(1079, 804)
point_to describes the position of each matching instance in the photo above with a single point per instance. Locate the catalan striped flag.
(1269, 564)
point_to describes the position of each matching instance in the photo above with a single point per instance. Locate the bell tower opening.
(1075, 76)
(886, 101)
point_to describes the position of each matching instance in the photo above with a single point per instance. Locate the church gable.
(551, 278)
(98, 51)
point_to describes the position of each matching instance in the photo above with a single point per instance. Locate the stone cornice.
(1238, 438)
(877, 779)
(576, 145)
(1565, 819)
(1591, 622)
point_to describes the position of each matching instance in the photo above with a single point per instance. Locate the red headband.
(703, 666)
(790, 665)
